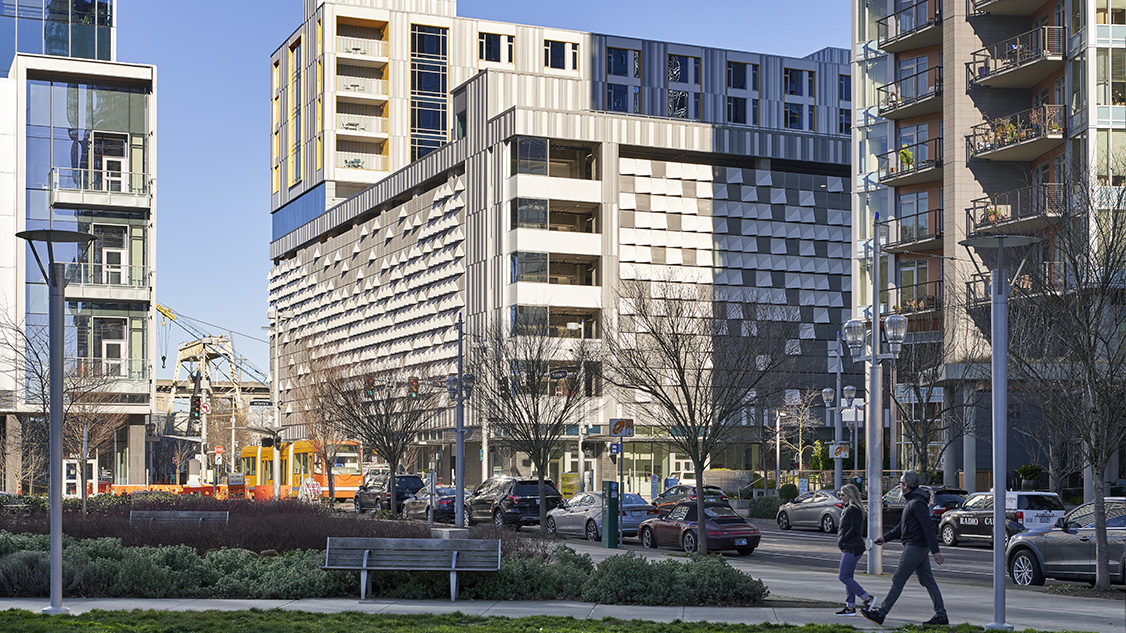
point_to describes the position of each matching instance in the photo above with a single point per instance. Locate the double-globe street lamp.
(856, 335)
(55, 276)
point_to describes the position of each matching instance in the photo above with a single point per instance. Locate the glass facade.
(67, 28)
(429, 72)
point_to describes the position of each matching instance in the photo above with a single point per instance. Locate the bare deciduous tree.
(532, 385)
(696, 364)
(798, 425)
(316, 376)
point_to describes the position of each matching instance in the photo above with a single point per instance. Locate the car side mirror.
(1061, 523)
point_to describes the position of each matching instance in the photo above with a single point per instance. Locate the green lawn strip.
(278, 621)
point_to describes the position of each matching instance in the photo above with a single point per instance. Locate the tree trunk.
(391, 484)
(701, 518)
(1102, 565)
(543, 506)
(331, 480)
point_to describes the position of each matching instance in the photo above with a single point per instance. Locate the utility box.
(610, 504)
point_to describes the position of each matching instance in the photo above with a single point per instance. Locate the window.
(813, 118)
(844, 87)
(554, 54)
(529, 267)
(429, 70)
(737, 75)
(530, 156)
(736, 110)
(622, 62)
(684, 69)
(622, 98)
(295, 131)
(511, 45)
(488, 47)
(754, 112)
(914, 219)
(574, 56)
(754, 76)
(529, 213)
(678, 104)
(538, 156)
(791, 115)
(812, 80)
(844, 121)
(791, 82)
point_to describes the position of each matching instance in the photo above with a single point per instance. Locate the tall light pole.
(855, 334)
(275, 324)
(56, 309)
(849, 393)
(999, 295)
(828, 394)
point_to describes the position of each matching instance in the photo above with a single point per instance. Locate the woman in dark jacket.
(850, 538)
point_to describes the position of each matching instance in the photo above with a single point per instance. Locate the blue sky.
(212, 59)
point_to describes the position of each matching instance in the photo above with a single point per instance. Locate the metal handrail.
(1016, 128)
(93, 367)
(362, 85)
(910, 158)
(908, 90)
(104, 180)
(908, 20)
(921, 297)
(1035, 279)
(93, 274)
(360, 123)
(1045, 41)
(361, 46)
(353, 160)
(1018, 204)
(901, 231)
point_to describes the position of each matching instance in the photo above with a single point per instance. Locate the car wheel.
(828, 525)
(403, 512)
(783, 520)
(745, 551)
(1025, 570)
(359, 507)
(688, 541)
(647, 538)
(468, 517)
(591, 531)
(379, 506)
(498, 519)
(551, 525)
(949, 536)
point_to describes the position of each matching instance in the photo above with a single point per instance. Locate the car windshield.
(1040, 502)
(713, 490)
(720, 511)
(630, 499)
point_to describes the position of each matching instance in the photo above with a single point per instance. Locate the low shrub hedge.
(787, 493)
(106, 568)
(765, 507)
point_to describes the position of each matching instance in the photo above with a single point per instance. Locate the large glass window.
(913, 215)
(1111, 77)
(623, 62)
(429, 71)
(844, 87)
(791, 82)
(684, 69)
(792, 116)
(736, 110)
(844, 121)
(529, 267)
(678, 104)
(556, 215)
(737, 75)
(488, 47)
(623, 98)
(558, 159)
(554, 54)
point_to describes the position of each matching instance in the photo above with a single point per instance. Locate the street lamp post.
(999, 293)
(275, 323)
(828, 394)
(856, 334)
(849, 393)
(56, 281)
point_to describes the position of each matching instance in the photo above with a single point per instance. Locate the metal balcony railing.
(1012, 207)
(362, 46)
(907, 22)
(903, 232)
(1017, 52)
(353, 160)
(1045, 277)
(910, 160)
(87, 274)
(358, 123)
(1029, 125)
(1007, 7)
(107, 368)
(99, 180)
(362, 86)
(900, 95)
(917, 298)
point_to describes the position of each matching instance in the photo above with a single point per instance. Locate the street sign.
(261, 403)
(616, 448)
(839, 451)
(621, 427)
(205, 408)
(218, 450)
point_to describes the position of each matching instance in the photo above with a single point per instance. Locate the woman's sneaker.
(869, 601)
(847, 612)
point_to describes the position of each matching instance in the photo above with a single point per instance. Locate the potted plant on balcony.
(906, 157)
(993, 215)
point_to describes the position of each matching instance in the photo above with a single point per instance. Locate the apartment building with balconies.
(969, 117)
(77, 129)
(520, 173)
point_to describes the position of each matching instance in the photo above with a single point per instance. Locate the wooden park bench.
(199, 518)
(411, 554)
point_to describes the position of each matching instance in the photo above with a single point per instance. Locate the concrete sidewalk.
(971, 603)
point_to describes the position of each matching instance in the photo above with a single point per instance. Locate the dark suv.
(941, 500)
(510, 501)
(375, 493)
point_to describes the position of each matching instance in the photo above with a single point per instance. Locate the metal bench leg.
(453, 586)
(363, 584)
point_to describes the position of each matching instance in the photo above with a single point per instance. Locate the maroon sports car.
(679, 528)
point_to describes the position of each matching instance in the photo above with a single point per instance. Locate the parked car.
(684, 492)
(375, 492)
(678, 528)
(1067, 550)
(582, 515)
(973, 519)
(509, 501)
(941, 500)
(818, 509)
(418, 506)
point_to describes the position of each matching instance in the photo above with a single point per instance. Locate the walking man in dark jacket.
(917, 534)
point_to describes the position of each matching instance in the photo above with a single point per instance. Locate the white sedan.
(581, 515)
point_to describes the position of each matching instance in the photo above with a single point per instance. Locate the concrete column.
(136, 464)
(969, 441)
(1088, 484)
(11, 443)
(949, 454)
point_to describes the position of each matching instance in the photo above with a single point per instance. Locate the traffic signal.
(369, 386)
(195, 412)
(414, 386)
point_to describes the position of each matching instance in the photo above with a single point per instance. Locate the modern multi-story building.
(969, 116)
(77, 133)
(426, 165)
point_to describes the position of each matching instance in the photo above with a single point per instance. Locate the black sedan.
(679, 527)
(418, 506)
